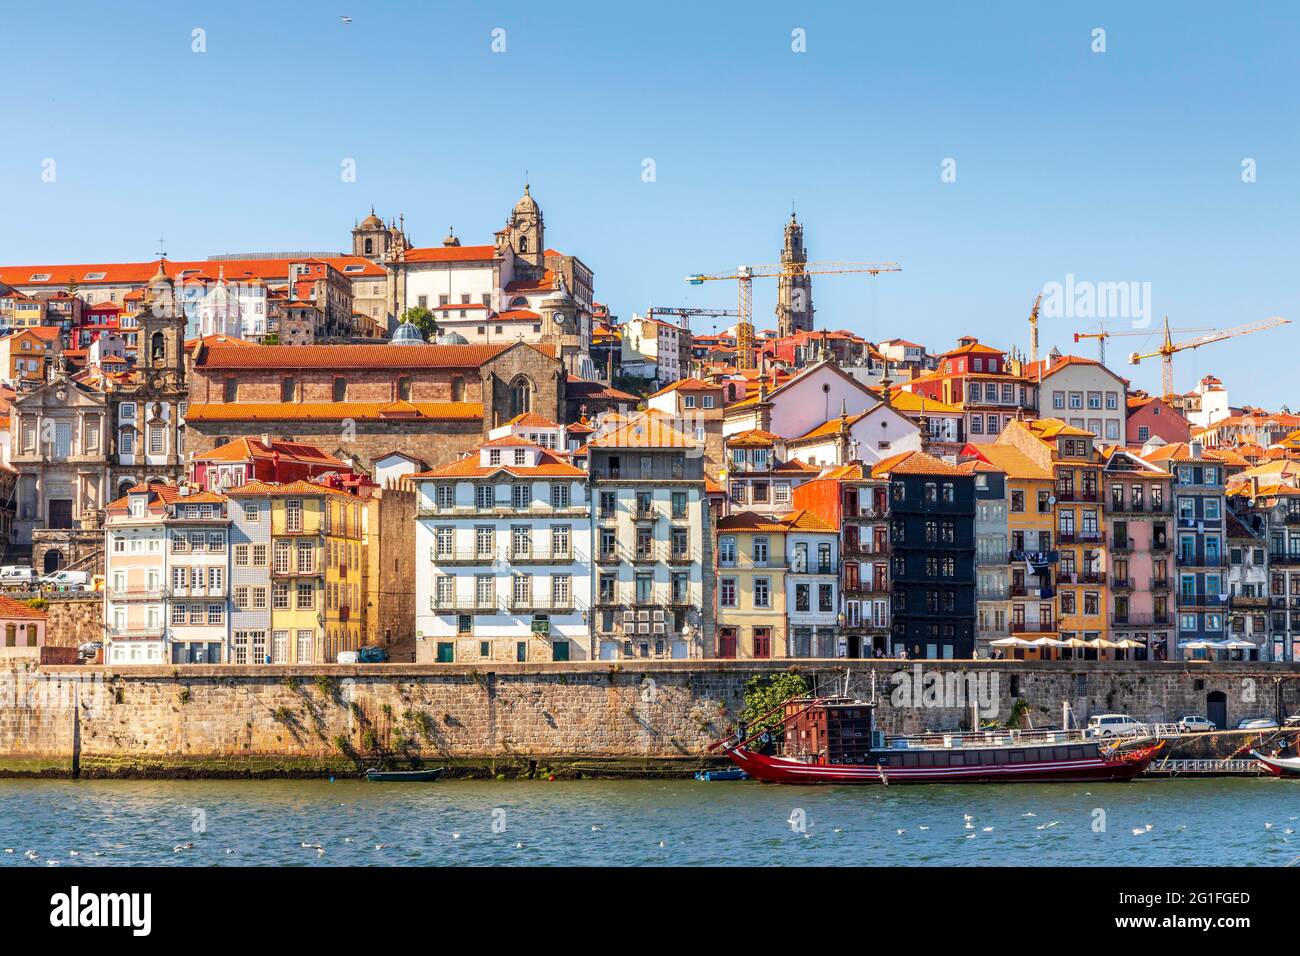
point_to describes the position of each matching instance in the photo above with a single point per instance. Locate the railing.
(1121, 544)
(541, 556)
(1033, 627)
(463, 605)
(1216, 766)
(1139, 508)
(546, 603)
(1283, 557)
(1122, 584)
(1243, 600)
(1200, 561)
(1140, 619)
(507, 509)
(136, 594)
(810, 567)
(462, 556)
(143, 630)
(1201, 599)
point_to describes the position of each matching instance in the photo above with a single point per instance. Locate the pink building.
(21, 625)
(1150, 417)
(1139, 516)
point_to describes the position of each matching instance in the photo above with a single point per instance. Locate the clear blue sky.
(1119, 166)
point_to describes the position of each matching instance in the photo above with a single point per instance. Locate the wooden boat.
(375, 775)
(1279, 766)
(832, 740)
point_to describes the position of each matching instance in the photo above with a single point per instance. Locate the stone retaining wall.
(226, 720)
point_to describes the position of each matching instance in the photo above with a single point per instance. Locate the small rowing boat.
(731, 773)
(1279, 766)
(375, 775)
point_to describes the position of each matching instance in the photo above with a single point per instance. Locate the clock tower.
(794, 308)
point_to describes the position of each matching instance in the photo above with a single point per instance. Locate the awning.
(1128, 642)
(1048, 642)
(1011, 642)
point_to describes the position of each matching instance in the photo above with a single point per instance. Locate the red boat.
(832, 740)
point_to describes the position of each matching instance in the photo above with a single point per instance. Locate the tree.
(423, 320)
(271, 338)
(762, 694)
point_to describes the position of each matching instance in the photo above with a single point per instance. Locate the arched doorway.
(1216, 708)
(52, 561)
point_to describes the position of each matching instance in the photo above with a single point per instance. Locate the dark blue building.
(932, 564)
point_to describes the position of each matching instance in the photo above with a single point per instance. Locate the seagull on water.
(1047, 826)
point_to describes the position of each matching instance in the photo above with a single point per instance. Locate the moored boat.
(833, 740)
(1279, 766)
(375, 775)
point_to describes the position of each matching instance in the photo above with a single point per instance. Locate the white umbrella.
(1074, 642)
(1199, 645)
(1048, 642)
(1097, 643)
(1011, 642)
(1128, 642)
(1237, 644)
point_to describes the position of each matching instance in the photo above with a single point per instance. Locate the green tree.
(762, 694)
(272, 338)
(422, 319)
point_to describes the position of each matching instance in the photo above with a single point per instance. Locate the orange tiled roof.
(357, 356)
(644, 431)
(331, 411)
(754, 438)
(259, 488)
(451, 254)
(118, 273)
(11, 609)
(914, 463)
(548, 465)
(244, 449)
(802, 520)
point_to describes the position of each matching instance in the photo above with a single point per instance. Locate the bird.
(455, 836)
(1047, 826)
(183, 846)
(594, 828)
(347, 839)
(228, 852)
(988, 829)
(900, 831)
(9, 849)
(52, 862)
(923, 828)
(380, 846)
(73, 853)
(969, 826)
(1268, 826)
(346, 19)
(320, 851)
(1031, 814)
(971, 836)
(967, 817)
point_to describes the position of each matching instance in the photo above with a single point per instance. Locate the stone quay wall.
(626, 717)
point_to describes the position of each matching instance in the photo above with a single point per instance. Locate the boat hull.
(1117, 767)
(1279, 767)
(404, 776)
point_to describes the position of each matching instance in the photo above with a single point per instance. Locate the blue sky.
(1117, 166)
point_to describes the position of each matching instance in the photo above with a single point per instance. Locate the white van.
(66, 580)
(348, 657)
(17, 575)
(1116, 725)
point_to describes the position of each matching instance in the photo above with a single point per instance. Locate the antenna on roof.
(162, 248)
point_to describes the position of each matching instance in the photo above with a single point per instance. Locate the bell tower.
(794, 308)
(370, 238)
(160, 348)
(527, 232)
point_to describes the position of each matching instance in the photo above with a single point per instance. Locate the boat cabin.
(834, 731)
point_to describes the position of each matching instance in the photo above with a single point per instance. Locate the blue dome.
(407, 334)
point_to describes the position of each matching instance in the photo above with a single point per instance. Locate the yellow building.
(318, 558)
(777, 586)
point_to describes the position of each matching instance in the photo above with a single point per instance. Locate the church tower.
(794, 308)
(371, 238)
(527, 234)
(160, 348)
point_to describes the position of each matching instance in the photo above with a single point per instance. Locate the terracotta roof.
(915, 463)
(356, 356)
(644, 431)
(686, 385)
(117, 273)
(259, 488)
(577, 388)
(802, 520)
(331, 411)
(549, 465)
(1049, 429)
(910, 403)
(451, 254)
(754, 438)
(11, 609)
(245, 449)
(1013, 462)
(532, 420)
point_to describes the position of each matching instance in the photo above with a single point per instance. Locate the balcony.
(795, 566)
(1032, 627)
(1200, 599)
(1021, 555)
(860, 587)
(1284, 557)
(1121, 544)
(683, 557)
(1093, 536)
(1160, 584)
(310, 572)
(1074, 495)
(541, 556)
(136, 631)
(1243, 600)
(1122, 584)
(1143, 619)
(136, 594)
(542, 603)
(994, 594)
(1186, 560)
(609, 557)
(1159, 545)
(463, 605)
(462, 556)
(1139, 508)
(1291, 517)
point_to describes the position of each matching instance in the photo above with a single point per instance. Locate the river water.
(646, 823)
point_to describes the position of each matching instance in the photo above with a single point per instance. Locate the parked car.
(1194, 724)
(66, 580)
(89, 649)
(372, 655)
(1292, 721)
(1257, 723)
(17, 575)
(348, 657)
(1116, 725)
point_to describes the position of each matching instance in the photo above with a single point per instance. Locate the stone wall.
(71, 621)
(227, 720)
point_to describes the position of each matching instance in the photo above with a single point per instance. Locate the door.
(446, 652)
(560, 651)
(608, 651)
(1216, 708)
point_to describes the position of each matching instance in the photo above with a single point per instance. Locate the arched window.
(157, 347)
(521, 396)
(125, 485)
(519, 302)
(370, 246)
(11, 635)
(523, 243)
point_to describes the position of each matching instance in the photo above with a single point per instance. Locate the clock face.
(558, 318)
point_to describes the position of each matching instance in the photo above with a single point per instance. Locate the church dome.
(407, 334)
(372, 221)
(527, 205)
(452, 338)
(451, 239)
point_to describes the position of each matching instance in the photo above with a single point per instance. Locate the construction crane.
(745, 275)
(1101, 335)
(685, 313)
(1169, 347)
(1033, 329)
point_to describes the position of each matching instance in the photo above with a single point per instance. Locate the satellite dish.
(1051, 499)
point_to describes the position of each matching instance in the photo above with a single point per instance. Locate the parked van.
(348, 657)
(17, 575)
(1116, 725)
(66, 580)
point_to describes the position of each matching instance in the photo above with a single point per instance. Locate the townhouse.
(503, 556)
(653, 539)
(1081, 392)
(778, 586)
(758, 476)
(932, 556)
(1138, 511)
(851, 499)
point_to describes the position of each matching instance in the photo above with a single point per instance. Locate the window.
(727, 592)
(762, 592)
(560, 495)
(293, 514)
(520, 496)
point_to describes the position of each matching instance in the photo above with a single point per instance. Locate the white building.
(812, 588)
(653, 345)
(1083, 393)
(166, 572)
(503, 557)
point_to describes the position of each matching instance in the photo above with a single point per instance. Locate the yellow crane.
(1169, 347)
(744, 276)
(1101, 335)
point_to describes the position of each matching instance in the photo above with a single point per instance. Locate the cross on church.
(162, 248)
